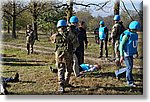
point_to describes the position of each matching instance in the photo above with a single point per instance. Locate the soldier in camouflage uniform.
(63, 55)
(115, 35)
(74, 32)
(30, 39)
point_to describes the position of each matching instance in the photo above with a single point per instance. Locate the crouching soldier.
(30, 39)
(63, 55)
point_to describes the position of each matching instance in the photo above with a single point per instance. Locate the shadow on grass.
(111, 74)
(18, 60)
(99, 74)
(5, 55)
(22, 64)
(27, 81)
(8, 61)
(131, 89)
(106, 91)
(117, 89)
(8, 71)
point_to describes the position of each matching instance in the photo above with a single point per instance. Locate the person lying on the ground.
(89, 68)
(84, 67)
(15, 79)
(3, 89)
(3, 83)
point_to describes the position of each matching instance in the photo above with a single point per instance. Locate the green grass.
(36, 78)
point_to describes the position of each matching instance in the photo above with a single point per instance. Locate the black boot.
(16, 78)
(28, 49)
(101, 54)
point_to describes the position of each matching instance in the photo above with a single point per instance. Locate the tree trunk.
(8, 27)
(14, 20)
(35, 21)
(116, 7)
(69, 10)
(35, 30)
(14, 27)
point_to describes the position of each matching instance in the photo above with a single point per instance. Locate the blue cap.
(101, 23)
(134, 25)
(73, 19)
(117, 17)
(61, 23)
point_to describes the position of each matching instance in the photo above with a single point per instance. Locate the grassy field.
(36, 78)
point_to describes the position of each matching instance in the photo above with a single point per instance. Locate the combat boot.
(16, 78)
(28, 49)
(61, 89)
(31, 50)
(28, 52)
(101, 53)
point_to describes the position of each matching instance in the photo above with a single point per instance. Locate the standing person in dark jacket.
(82, 39)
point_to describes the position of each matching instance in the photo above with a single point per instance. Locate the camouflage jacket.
(73, 37)
(62, 44)
(30, 37)
(116, 31)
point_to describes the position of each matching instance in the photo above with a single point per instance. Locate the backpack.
(124, 33)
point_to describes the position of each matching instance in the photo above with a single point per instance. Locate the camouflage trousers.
(75, 65)
(116, 52)
(64, 66)
(30, 44)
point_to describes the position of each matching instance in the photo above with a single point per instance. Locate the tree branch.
(100, 5)
(135, 9)
(21, 11)
(8, 12)
(126, 9)
(104, 5)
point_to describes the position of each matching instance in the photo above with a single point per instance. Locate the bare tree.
(136, 9)
(37, 8)
(127, 10)
(116, 7)
(14, 9)
(69, 6)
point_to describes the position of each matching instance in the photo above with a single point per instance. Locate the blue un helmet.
(61, 23)
(134, 25)
(73, 19)
(117, 17)
(101, 23)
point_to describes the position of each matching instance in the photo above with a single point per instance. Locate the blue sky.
(108, 8)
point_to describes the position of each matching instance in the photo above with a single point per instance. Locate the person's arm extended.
(122, 44)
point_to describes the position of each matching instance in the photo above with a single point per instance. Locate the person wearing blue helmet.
(74, 19)
(115, 34)
(63, 55)
(128, 47)
(103, 37)
(73, 34)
